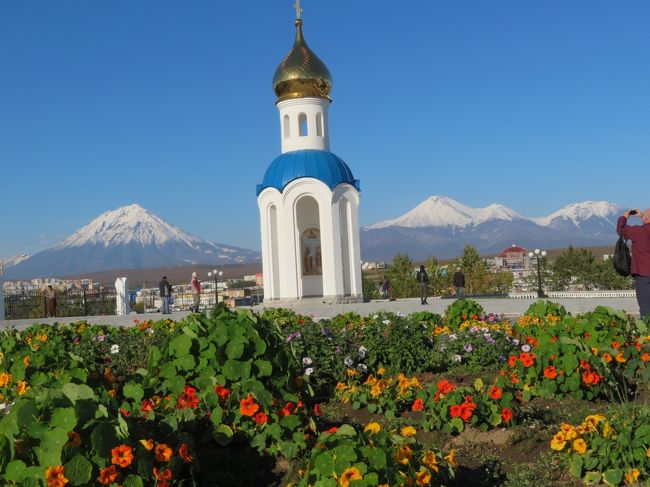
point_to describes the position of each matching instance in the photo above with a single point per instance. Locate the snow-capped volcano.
(440, 211)
(126, 225)
(130, 237)
(11, 261)
(579, 213)
(441, 227)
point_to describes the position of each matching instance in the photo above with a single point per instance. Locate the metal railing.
(71, 302)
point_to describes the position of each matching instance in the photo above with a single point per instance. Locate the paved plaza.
(319, 310)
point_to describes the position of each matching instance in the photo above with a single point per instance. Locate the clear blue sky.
(532, 104)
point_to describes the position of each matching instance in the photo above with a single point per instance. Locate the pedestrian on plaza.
(423, 279)
(50, 302)
(385, 287)
(640, 237)
(165, 295)
(459, 283)
(196, 293)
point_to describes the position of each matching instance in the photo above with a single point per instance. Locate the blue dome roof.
(310, 163)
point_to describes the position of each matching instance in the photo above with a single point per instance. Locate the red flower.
(147, 407)
(553, 339)
(506, 415)
(317, 410)
(247, 406)
(495, 392)
(188, 398)
(260, 418)
(550, 372)
(418, 405)
(527, 359)
(332, 430)
(122, 455)
(286, 410)
(531, 341)
(125, 413)
(222, 392)
(616, 345)
(184, 453)
(512, 360)
(455, 411)
(590, 378)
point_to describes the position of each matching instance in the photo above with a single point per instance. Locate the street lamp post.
(537, 254)
(214, 273)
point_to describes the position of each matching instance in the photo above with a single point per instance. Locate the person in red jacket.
(640, 236)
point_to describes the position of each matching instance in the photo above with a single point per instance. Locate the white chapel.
(308, 199)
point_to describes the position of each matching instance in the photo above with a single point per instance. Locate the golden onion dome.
(301, 73)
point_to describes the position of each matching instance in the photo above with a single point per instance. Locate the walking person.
(423, 279)
(196, 293)
(640, 237)
(50, 302)
(165, 295)
(459, 283)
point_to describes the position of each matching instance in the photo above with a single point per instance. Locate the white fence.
(576, 294)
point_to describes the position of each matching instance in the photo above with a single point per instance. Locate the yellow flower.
(558, 442)
(373, 428)
(26, 360)
(430, 461)
(404, 454)
(620, 358)
(22, 388)
(375, 390)
(370, 380)
(147, 444)
(451, 458)
(408, 431)
(580, 446)
(2, 357)
(569, 431)
(632, 476)
(43, 338)
(381, 371)
(351, 372)
(592, 420)
(348, 475)
(594, 350)
(5, 379)
(423, 477)
(341, 386)
(608, 431)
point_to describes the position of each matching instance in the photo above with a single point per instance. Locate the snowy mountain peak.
(577, 213)
(125, 225)
(16, 259)
(441, 211)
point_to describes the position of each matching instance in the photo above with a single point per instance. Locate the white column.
(122, 296)
(2, 299)
(288, 244)
(331, 249)
(356, 286)
(266, 253)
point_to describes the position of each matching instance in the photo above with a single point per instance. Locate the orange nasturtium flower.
(74, 438)
(580, 446)
(184, 453)
(495, 392)
(122, 455)
(550, 372)
(22, 388)
(607, 357)
(163, 452)
(164, 476)
(260, 418)
(348, 475)
(429, 459)
(247, 406)
(558, 442)
(26, 361)
(418, 405)
(54, 476)
(423, 477)
(5, 379)
(108, 475)
(620, 358)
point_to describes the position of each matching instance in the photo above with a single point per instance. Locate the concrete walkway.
(317, 309)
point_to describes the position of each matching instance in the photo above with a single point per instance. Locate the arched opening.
(319, 124)
(287, 126)
(302, 125)
(309, 247)
(274, 278)
(346, 250)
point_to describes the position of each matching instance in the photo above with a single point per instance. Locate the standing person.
(423, 279)
(459, 283)
(50, 301)
(165, 295)
(385, 287)
(640, 236)
(196, 293)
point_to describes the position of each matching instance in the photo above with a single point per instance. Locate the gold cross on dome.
(298, 9)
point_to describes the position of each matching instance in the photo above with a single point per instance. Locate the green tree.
(402, 277)
(440, 278)
(500, 282)
(606, 277)
(477, 276)
(575, 267)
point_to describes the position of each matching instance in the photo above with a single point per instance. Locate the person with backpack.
(423, 279)
(196, 293)
(640, 237)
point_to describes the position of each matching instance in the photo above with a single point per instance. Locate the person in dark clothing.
(385, 287)
(459, 283)
(640, 236)
(165, 294)
(50, 299)
(423, 279)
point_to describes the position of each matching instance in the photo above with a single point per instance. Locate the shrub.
(462, 310)
(544, 309)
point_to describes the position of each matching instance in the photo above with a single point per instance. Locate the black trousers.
(643, 294)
